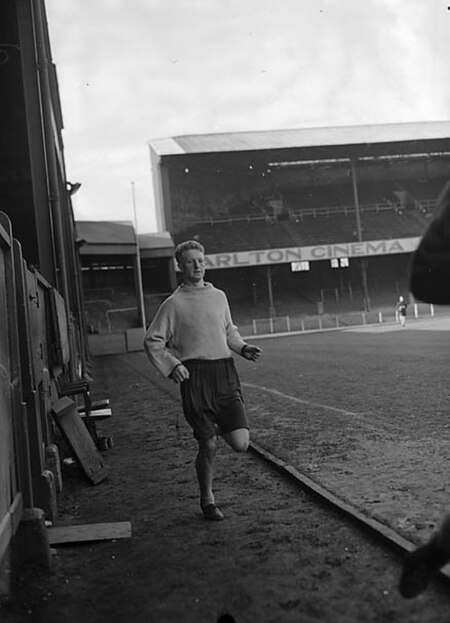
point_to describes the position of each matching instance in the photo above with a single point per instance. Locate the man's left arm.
(235, 341)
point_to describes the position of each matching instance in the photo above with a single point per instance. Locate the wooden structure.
(41, 305)
(79, 440)
(15, 475)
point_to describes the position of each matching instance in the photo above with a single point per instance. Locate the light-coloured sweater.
(193, 323)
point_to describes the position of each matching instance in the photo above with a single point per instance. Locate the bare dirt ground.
(278, 556)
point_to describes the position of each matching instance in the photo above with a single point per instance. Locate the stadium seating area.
(306, 229)
(280, 200)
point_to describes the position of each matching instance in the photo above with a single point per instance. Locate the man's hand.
(252, 353)
(179, 374)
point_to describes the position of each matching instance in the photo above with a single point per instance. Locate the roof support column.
(363, 262)
(272, 310)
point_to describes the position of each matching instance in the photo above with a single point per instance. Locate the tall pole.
(272, 310)
(359, 235)
(138, 267)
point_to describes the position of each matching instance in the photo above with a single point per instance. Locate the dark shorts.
(212, 397)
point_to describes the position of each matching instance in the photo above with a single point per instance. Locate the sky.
(134, 70)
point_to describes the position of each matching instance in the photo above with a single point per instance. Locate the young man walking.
(190, 341)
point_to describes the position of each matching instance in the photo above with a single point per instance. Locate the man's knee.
(208, 446)
(241, 445)
(238, 439)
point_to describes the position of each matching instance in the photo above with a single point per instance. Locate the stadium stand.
(308, 228)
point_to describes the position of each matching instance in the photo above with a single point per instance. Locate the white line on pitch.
(360, 416)
(275, 392)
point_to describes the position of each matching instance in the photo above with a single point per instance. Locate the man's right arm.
(157, 338)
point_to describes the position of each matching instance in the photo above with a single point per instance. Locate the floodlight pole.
(359, 235)
(138, 267)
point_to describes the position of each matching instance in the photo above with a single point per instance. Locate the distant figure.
(190, 341)
(400, 310)
(430, 282)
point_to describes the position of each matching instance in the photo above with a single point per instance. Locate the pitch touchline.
(303, 402)
(360, 416)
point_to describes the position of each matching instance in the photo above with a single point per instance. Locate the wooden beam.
(79, 440)
(379, 529)
(9, 523)
(327, 496)
(59, 535)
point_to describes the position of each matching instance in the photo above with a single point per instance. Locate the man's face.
(192, 265)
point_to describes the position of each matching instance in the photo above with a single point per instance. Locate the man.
(400, 310)
(190, 341)
(430, 282)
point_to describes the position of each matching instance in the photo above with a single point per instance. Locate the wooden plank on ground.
(79, 440)
(59, 535)
(100, 414)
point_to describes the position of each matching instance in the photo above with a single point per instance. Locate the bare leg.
(204, 466)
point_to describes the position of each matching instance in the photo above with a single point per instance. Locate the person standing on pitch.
(430, 282)
(400, 310)
(190, 341)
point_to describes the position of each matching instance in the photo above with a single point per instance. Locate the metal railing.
(300, 324)
(293, 214)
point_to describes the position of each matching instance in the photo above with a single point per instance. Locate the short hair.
(185, 246)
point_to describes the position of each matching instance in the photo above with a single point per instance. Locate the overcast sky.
(133, 70)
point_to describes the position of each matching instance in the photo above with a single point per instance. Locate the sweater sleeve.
(234, 339)
(157, 340)
(430, 264)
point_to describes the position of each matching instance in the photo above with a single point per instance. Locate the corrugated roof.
(106, 232)
(305, 137)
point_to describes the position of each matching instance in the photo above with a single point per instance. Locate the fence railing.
(393, 206)
(322, 322)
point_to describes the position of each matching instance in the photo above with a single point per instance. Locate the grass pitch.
(365, 412)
